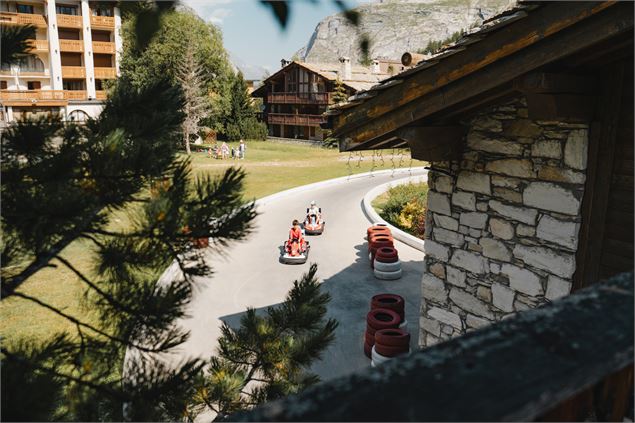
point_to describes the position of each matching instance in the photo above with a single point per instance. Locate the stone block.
(473, 220)
(494, 268)
(445, 316)
(470, 303)
(505, 182)
(469, 261)
(507, 195)
(481, 206)
(436, 250)
(484, 293)
(443, 184)
(522, 128)
(522, 280)
(550, 260)
(547, 196)
(485, 123)
(473, 246)
(520, 214)
(557, 288)
(439, 203)
(495, 249)
(477, 141)
(448, 237)
(455, 276)
(520, 306)
(560, 232)
(547, 148)
(502, 297)
(575, 149)
(446, 222)
(464, 230)
(430, 325)
(501, 228)
(475, 233)
(433, 288)
(447, 330)
(476, 322)
(521, 168)
(474, 182)
(560, 174)
(438, 270)
(465, 200)
(524, 230)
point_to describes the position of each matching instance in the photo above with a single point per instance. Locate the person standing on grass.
(241, 149)
(224, 150)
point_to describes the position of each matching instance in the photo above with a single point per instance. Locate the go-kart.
(313, 225)
(295, 252)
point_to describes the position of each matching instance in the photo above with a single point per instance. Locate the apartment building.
(76, 51)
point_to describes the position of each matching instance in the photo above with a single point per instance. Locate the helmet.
(313, 203)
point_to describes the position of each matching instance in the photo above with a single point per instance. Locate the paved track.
(251, 275)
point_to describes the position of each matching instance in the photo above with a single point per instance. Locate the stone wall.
(502, 231)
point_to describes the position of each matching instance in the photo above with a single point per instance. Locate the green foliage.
(269, 355)
(405, 207)
(14, 43)
(241, 122)
(434, 46)
(339, 92)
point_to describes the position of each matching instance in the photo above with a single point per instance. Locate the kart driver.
(295, 234)
(314, 213)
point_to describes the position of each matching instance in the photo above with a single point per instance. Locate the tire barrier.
(378, 319)
(392, 338)
(380, 228)
(386, 328)
(392, 302)
(378, 359)
(383, 257)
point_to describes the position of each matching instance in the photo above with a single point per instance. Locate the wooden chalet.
(297, 95)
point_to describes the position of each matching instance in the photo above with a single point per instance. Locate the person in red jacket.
(296, 240)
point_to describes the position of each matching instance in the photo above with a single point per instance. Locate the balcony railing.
(69, 21)
(105, 73)
(10, 18)
(31, 97)
(107, 22)
(103, 47)
(299, 98)
(75, 95)
(73, 72)
(76, 46)
(101, 94)
(293, 119)
(39, 45)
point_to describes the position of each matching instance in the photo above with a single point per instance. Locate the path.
(251, 274)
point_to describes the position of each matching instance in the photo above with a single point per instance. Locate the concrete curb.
(342, 180)
(374, 217)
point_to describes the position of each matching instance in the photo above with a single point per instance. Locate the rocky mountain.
(396, 26)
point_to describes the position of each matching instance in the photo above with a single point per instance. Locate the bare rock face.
(397, 26)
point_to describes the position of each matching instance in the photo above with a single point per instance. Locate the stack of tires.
(389, 343)
(384, 258)
(387, 312)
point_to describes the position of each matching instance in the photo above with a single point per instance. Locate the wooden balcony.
(101, 95)
(293, 119)
(75, 46)
(103, 47)
(33, 98)
(299, 98)
(105, 73)
(73, 72)
(102, 22)
(69, 21)
(75, 95)
(39, 45)
(10, 18)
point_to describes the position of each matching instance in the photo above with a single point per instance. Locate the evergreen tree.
(241, 121)
(268, 356)
(195, 102)
(339, 92)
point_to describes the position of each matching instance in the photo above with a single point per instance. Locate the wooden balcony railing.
(103, 47)
(69, 21)
(571, 360)
(73, 72)
(9, 18)
(106, 22)
(39, 45)
(32, 97)
(75, 95)
(105, 73)
(299, 98)
(101, 95)
(293, 119)
(76, 46)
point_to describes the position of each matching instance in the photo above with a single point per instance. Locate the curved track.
(251, 275)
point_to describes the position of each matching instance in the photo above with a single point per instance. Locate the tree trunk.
(187, 143)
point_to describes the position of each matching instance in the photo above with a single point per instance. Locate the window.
(25, 8)
(62, 9)
(304, 81)
(31, 64)
(73, 84)
(101, 35)
(3, 85)
(78, 116)
(101, 11)
(99, 84)
(34, 85)
(68, 34)
(292, 81)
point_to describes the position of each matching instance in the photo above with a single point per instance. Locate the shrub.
(405, 207)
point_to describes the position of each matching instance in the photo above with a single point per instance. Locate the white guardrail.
(374, 217)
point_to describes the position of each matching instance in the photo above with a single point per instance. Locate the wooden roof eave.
(507, 55)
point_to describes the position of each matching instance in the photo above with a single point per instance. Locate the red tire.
(377, 230)
(381, 244)
(370, 330)
(369, 339)
(367, 349)
(380, 239)
(388, 351)
(392, 338)
(387, 255)
(383, 318)
(392, 302)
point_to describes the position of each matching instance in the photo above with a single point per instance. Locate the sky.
(251, 32)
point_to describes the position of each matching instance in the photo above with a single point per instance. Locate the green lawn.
(271, 167)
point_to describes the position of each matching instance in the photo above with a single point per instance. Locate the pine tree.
(268, 356)
(241, 122)
(195, 103)
(339, 92)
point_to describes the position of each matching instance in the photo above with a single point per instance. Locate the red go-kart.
(314, 224)
(295, 251)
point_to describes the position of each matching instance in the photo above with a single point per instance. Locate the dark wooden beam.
(433, 143)
(561, 107)
(549, 83)
(430, 87)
